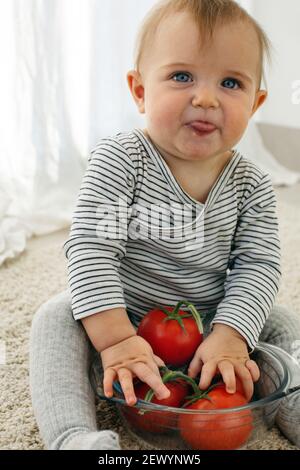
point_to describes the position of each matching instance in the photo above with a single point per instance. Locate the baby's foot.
(288, 418)
(96, 440)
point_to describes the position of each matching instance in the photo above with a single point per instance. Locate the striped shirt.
(138, 239)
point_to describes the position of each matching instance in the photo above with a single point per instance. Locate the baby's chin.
(183, 144)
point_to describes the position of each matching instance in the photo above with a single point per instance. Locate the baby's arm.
(225, 351)
(250, 289)
(108, 327)
(254, 264)
(124, 354)
(94, 255)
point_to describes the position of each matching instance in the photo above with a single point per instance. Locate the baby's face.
(201, 86)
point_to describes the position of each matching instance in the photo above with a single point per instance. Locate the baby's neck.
(196, 177)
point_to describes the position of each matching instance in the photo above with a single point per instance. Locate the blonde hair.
(208, 14)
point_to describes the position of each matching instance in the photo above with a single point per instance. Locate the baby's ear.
(137, 90)
(132, 76)
(260, 98)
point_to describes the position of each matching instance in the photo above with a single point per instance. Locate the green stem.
(171, 376)
(165, 310)
(200, 395)
(173, 315)
(177, 307)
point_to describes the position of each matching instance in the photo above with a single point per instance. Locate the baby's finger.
(108, 378)
(195, 367)
(154, 368)
(125, 379)
(146, 375)
(159, 361)
(157, 364)
(253, 369)
(207, 373)
(246, 379)
(227, 371)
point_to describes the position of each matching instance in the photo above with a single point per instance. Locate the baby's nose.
(205, 97)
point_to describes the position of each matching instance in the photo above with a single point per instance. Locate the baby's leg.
(62, 398)
(282, 329)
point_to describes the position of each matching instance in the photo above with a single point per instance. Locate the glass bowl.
(162, 427)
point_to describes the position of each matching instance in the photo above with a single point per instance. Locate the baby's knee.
(56, 310)
(282, 329)
(285, 320)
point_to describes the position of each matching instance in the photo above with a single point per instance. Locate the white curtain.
(63, 86)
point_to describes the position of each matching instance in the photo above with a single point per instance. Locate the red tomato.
(174, 344)
(217, 431)
(239, 385)
(157, 421)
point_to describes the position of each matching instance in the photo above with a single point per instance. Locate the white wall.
(281, 22)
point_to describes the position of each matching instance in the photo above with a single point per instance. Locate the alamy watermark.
(173, 222)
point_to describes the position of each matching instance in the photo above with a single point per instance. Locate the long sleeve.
(98, 236)
(254, 270)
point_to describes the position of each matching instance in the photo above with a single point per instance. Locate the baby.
(197, 79)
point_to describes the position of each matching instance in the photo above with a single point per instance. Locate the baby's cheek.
(162, 118)
(161, 127)
(234, 129)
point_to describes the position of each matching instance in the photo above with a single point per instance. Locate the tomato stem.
(174, 315)
(172, 376)
(165, 310)
(201, 394)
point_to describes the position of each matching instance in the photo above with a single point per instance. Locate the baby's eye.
(181, 77)
(230, 81)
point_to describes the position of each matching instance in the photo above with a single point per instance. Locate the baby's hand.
(130, 358)
(225, 351)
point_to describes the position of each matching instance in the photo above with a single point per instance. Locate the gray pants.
(60, 356)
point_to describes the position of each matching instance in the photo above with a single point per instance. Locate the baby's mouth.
(202, 128)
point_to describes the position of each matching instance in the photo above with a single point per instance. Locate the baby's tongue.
(202, 126)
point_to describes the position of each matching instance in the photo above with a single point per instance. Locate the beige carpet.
(27, 282)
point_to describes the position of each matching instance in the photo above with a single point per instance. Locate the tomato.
(157, 421)
(217, 431)
(238, 385)
(160, 421)
(173, 334)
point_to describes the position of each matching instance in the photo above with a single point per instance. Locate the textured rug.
(39, 273)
